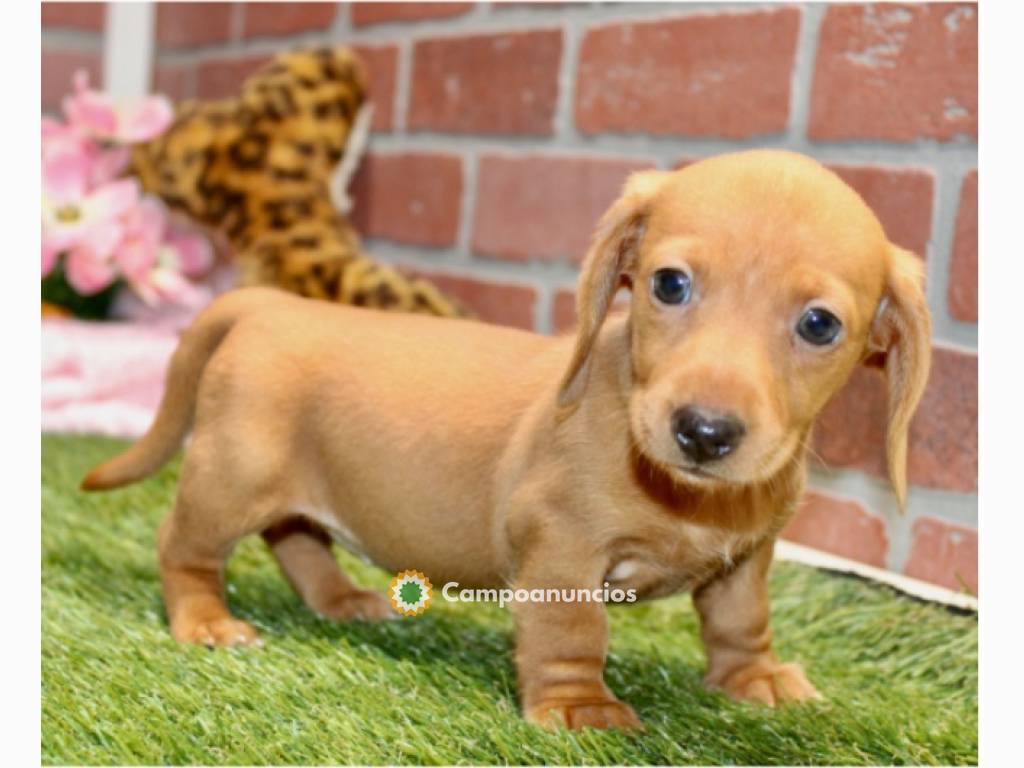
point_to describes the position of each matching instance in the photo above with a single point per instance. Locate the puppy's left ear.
(612, 254)
(901, 343)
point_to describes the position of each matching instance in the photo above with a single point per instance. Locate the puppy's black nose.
(706, 435)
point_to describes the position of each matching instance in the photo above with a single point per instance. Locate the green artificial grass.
(899, 676)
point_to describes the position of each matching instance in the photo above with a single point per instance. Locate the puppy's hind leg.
(192, 571)
(213, 511)
(303, 550)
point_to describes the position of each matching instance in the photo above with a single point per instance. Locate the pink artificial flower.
(164, 283)
(88, 270)
(50, 254)
(144, 228)
(104, 163)
(85, 224)
(109, 163)
(98, 115)
(105, 228)
(59, 137)
(191, 251)
(156, 259)
(180, 257)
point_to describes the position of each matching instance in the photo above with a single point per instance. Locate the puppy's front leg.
(734, 625)
(560, 655)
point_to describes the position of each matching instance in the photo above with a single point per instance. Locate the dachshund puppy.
(658, 450)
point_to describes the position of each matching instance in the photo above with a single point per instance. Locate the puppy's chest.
(666, 562)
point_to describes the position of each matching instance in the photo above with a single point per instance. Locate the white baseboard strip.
(786, 550)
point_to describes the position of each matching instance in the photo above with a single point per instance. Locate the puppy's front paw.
(223, 632)
(579, 713)
(361, 604)
(769, 683)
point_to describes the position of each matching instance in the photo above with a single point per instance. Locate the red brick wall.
(502, 133)
(72, 39)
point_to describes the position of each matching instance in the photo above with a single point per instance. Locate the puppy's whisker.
(805, 445)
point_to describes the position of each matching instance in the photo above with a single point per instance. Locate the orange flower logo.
(410, 593)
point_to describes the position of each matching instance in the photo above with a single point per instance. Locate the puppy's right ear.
(612, 254)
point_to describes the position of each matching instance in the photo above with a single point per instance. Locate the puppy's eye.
(818, 326)
(671, 286)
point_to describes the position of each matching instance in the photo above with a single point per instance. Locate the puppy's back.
(372, 372)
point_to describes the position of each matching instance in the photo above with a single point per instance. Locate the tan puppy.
(659, 451)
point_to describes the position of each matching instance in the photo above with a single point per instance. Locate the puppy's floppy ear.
(612, 253)
(900, 343)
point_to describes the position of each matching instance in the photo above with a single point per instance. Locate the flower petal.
(87, 273)
(150, 219)
(57, 239)
(144, 227)
(136, 257)
(66, 177)
(112, 199)
(109, 164)
(80, 80)
(145, 120)
(145, 291)
(102, 237)
(50, 252)
(92, 112)
(174, 288)
(52, 129)
(193, 253)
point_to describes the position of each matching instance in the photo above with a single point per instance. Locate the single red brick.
(382, 67)
(173, 81)
(503, 83)
(897, 72)
(89, 17)
(944, 436)
(58, 69)
(286, 18)
(840, 526)
(376, 13)
(563, 310)
(901, 198)
(943, 442)
(963, 269)
(222, 78)
(409, 197)
(850, 432)
(544, 207)
(192, 25)
(944, 554)
(499, 303)
(720, 74)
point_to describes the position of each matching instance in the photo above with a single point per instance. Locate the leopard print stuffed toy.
(269, 169)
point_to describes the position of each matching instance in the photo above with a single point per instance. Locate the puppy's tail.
(174, 417)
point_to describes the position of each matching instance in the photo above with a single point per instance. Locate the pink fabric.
(107, 378)
(103, 378)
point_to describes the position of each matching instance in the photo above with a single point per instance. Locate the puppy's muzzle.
(705, 435)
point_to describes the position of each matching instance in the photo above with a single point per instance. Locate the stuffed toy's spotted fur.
(269, 169)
